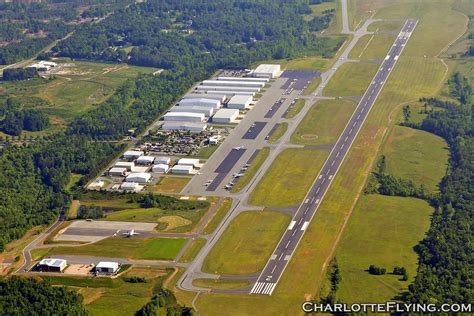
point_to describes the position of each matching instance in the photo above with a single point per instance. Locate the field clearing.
(278, 133)
(293, 168)
(130, 248)
(351, 79)
(220, 213)
(169, 185)
(252, 170)
(324, 122)
(382, 231)
(372, 47)
(193, 250)
(221, 284)
(247, 243)
(413, 77)
(416, 155)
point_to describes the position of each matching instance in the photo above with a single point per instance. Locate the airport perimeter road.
(275, 267)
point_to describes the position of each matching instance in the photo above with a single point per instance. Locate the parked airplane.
(130, 233)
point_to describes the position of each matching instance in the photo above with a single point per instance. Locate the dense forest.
(22, 296)
(14, 118)
(446, 270)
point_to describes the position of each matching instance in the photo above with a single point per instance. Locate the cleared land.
(413, 77)
(351, 79)
(371, 47)
(221, 284)
(193, 250)
(278, 133)
(247, 243)
(416, 155)
(382, 231)
(169, 185)
(131, 248)
(221, 212)
(252, 170)
(324, 122)
(288, 179)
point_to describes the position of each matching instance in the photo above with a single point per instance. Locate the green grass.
(304, 63)
(416, 155)
(220, 213)
(169, 185)
(312, 86)
(372, 47)
(247, 243)
(82, 281)
(382, 231)
(385, 26)
(351, 79)
(132, 248)
(222, 284)
(289, 178)
(278, 132)
(296, 108)
(252, 170)
(205, 152)
(324, 122)
(193, 250)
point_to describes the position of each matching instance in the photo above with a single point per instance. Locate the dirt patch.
(173, 222)
(309, 136)
(78, 269)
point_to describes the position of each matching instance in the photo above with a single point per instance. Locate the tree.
(406, 113)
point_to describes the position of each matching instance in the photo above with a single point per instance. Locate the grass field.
(220, 213)
(416, 155)
(351, 79)
(297, 107)
(221, 284)
(324, 122)
(289, 177)
(168, 220)
(247, 243)
(74, 90)
(372, 47)
(278, 133)
(413, 77)
(312, 86)
(131, 248)
(193, 250)
(252, 170)
(114, 203)
(385, 26)
(382, 231)
(170, 185)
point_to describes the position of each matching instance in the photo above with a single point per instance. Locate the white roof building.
(182, 169)
(184, 117)
(131, 186)
(227, 88)
(267, 71)
(107, 267)
(43, 65)
(162, 168)
(188, 162)
(53, 264)
(229, 93)
(239, 101)
(96, 184)
(133, 154)
(145, 160)
(125, 164)
(233, 83)
(140, 177)
(162, 160)
(117, 172)
(206, 110)
(214, 103)
(184, 126)
(207, 96)
(225, 116)
(250, 79)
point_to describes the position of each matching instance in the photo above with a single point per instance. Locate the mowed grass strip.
(289, 178)
(296, 108)
(312, 86)
(351, 79)
(131, 248)
(169, 185)
(382, 231)
(252, 170)
(372, 47)
(385, 26)
(247, 243)
(416, 155)
(324, 122)
(193, 250)
(221, 284)
(220, 213)
(278, 132)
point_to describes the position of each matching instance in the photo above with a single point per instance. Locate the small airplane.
(239, 148)
(131, 233)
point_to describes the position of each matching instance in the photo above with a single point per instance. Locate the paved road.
(275, 267)
(345, 18)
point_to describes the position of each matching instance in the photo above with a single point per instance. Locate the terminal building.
(184, 117)
(184, 126)
(239, 101)
(225, 116)
(52, 265)
(267, 71)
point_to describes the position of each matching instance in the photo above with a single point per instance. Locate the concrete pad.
(115, 225)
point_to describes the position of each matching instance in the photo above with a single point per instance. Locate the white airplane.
(130, 233)
(239, 148)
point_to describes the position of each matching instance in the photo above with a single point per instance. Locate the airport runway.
(277, 263)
